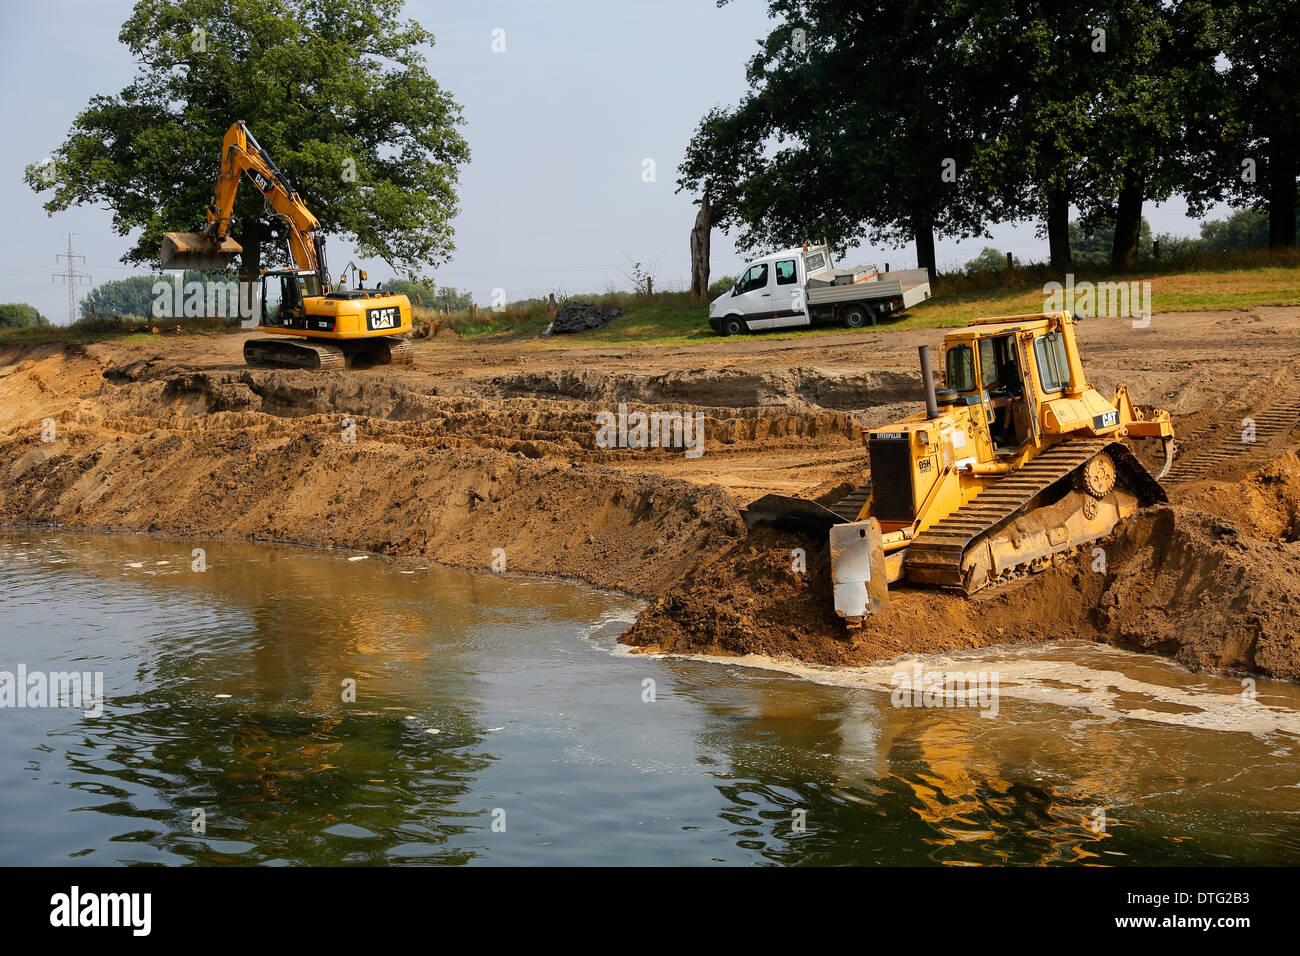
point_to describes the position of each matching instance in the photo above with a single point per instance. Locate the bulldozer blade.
(190, 250)
(790, 514)
(858, 575)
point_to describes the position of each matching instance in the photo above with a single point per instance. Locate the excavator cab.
(284, 295)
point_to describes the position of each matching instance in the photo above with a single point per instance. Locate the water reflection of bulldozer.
(1016, 462)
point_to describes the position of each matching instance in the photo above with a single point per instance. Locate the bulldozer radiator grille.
(891, 479)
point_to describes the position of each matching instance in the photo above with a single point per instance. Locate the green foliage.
(854, 107)
(846, 132)
(19, 315)
(428, 296)
(130, 296)
(135, 295)
(1250, 116)
(989, 260)
(1244, 229)
(720, 285)
(104, 324)
(336, 91)
(1093, 246)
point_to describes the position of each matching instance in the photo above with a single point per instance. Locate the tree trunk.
(1058, 230)
(923, 230)
(1281, 195)
(250, 260)
(1128, 223)
(700, 251)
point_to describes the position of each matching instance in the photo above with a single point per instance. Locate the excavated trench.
(456, 467)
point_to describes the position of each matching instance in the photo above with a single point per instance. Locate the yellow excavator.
(314, 326)
(1015, 463)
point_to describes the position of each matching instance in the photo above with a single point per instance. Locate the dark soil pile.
(575, 316)
(1194, 586)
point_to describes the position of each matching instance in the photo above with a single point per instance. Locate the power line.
(72, 277)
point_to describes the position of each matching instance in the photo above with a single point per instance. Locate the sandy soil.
(479, 447)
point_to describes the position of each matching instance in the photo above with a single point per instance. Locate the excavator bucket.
(190, 250)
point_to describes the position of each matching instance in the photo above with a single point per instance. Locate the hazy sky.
(558, 125)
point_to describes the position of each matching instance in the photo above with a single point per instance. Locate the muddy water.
(225, 736)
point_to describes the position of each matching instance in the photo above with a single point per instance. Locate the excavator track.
(400, 350)
(1275, 421)
(936, 555)
(294, 353)
(317, 355)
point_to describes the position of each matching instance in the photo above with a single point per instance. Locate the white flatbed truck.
(800, 286)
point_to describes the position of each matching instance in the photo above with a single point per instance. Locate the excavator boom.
(212, 248)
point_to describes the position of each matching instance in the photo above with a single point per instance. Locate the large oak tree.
(337, 92)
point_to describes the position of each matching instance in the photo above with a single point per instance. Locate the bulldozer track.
(935, 555)
(1275, 421)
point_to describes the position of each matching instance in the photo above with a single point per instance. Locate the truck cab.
(801, 285)
(769, 294)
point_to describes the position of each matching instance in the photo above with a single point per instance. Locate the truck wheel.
(734, 325)
(855, 317)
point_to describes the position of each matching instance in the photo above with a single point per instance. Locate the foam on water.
(1096, 681)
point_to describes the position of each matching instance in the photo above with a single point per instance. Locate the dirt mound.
(631, 533)
(1266, 504)
(1177, 581)
(755, 598)
(1194, 586)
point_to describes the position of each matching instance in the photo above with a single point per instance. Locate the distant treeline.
(1244, 231)
(906, 120)
(19, 315)
(135, 296)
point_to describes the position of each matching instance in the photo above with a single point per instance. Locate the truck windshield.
(960, 368)
(755, 278)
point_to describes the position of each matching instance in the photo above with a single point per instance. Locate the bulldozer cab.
(988, 373)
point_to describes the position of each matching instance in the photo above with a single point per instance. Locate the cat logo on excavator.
(1015, 463)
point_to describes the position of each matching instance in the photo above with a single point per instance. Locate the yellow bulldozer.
(314, 325)
(1016, 462)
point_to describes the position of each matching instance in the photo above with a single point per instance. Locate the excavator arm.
(212, 248)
